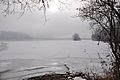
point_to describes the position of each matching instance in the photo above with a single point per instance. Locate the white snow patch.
(78, 78)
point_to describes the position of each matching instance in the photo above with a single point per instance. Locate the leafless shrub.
(106, 16)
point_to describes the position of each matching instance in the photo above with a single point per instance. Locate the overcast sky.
(59, 23)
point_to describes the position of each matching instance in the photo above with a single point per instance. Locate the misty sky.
(60, 23)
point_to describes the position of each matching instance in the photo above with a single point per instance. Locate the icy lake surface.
(52, 49)
(43, 56)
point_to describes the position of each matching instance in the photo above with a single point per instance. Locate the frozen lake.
(52, 49)
(27, 57)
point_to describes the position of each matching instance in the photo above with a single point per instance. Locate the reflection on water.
(3, 46)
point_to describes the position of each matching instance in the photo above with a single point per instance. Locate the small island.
(76, 37)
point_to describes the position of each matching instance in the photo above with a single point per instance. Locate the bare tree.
(20, 6)
(76, 37)
(105, 16)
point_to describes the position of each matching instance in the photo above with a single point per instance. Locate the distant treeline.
(102, 35)
(10, 35)
(19, 36)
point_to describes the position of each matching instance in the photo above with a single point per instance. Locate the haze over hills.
(10, 35)
(20, 36)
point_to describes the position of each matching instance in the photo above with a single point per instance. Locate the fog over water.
(60, 23)
(36, 44)
(52, 49)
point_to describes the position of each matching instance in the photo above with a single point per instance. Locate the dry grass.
(50, 77)
(105, 77)
(65, 77)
